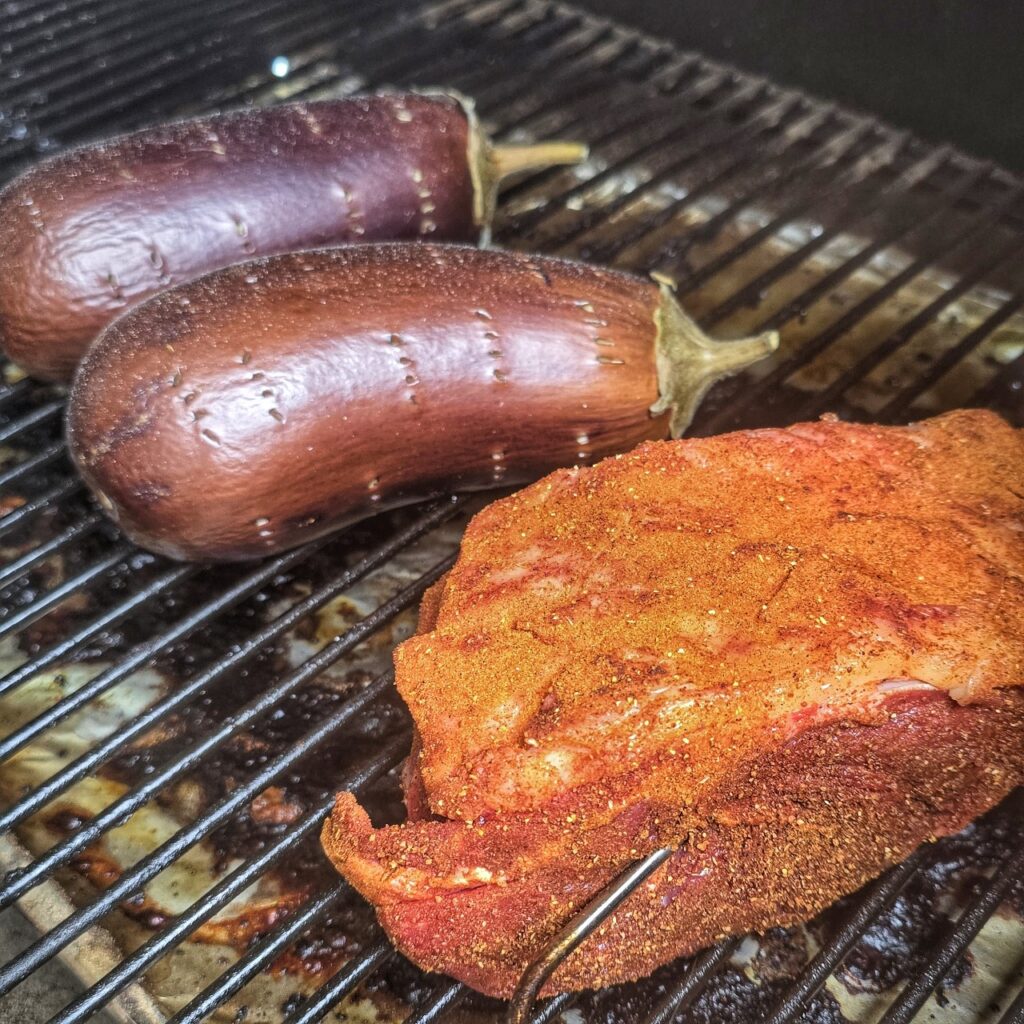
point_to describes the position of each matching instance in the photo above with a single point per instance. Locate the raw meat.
(793, 655)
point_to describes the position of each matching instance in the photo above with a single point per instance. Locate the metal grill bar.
(914, 996)
(14, 391)
(949, 359)
(52, 598)
(291, 29)
(693, 982)
(766, 119)
(552, 1007)
(881, 156)
(10, 431)
(116, 813)
(50, 498)
(1015, 1014)
(899, 338)
(233, 660)
(881, 894)
(237, 881)
(31, 464)
(912, 176)
(702, 89)
(109, 618)
(342, 984)
(145, 652)
(19, 566)
(447, 998)
(790, 136)
(154, 862)
(258, 959)
(164, 28)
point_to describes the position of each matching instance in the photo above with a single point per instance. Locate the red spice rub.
(792, 654)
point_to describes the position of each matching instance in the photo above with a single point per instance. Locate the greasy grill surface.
(216, 710)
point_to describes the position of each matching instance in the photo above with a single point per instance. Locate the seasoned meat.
(792, 655)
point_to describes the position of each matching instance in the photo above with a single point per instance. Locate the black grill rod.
(259, 957)
(10, 431)
(576, 930)
(48, 499)
(402, 42)
(551, 1008)
(143, 653)
(693, 142)
(39, 29)
(439, 1004)
(842, 139)
(403, 62)
(341, 985)
(792, 121)
(37, 461)
(281, 16)
(686, 121)
(823, 285)
(898, 407)
(588, 75)
(21, 880)
(851, 213)
(581, 105)
(637, 112)
(682, 995)
(34, 12)
(238, 880)
(581, 57)
(588, 57)
(15, 390)
(882, 151)
(818, 971)
(37, 609)
(109, 618)
(19, 566)
(674, 85)
(1006, 382)
(259, 92)
(94, 112)
(412, 61)
(915, 994)
(745, 145)
(871, 359)
(303, 37)
(159, 858)
(86, 763)
(1015, 1014)
(870, 302)
(164, 28)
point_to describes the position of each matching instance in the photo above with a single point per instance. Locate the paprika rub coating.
(788, 656)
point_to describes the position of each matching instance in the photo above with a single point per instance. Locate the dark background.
(951, 70)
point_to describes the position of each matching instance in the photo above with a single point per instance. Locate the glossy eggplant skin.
(274, 401)
(87, 234)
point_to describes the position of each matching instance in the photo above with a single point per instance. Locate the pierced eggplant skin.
(272, 402)
(91, 232)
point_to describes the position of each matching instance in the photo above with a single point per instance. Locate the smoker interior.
(173, 734)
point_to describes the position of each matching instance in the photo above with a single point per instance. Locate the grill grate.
(892, 268)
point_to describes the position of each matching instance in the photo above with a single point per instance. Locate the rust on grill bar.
(171, 736)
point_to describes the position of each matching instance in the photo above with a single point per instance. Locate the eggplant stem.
(534, 156)
(689, 361)
(489, 164)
